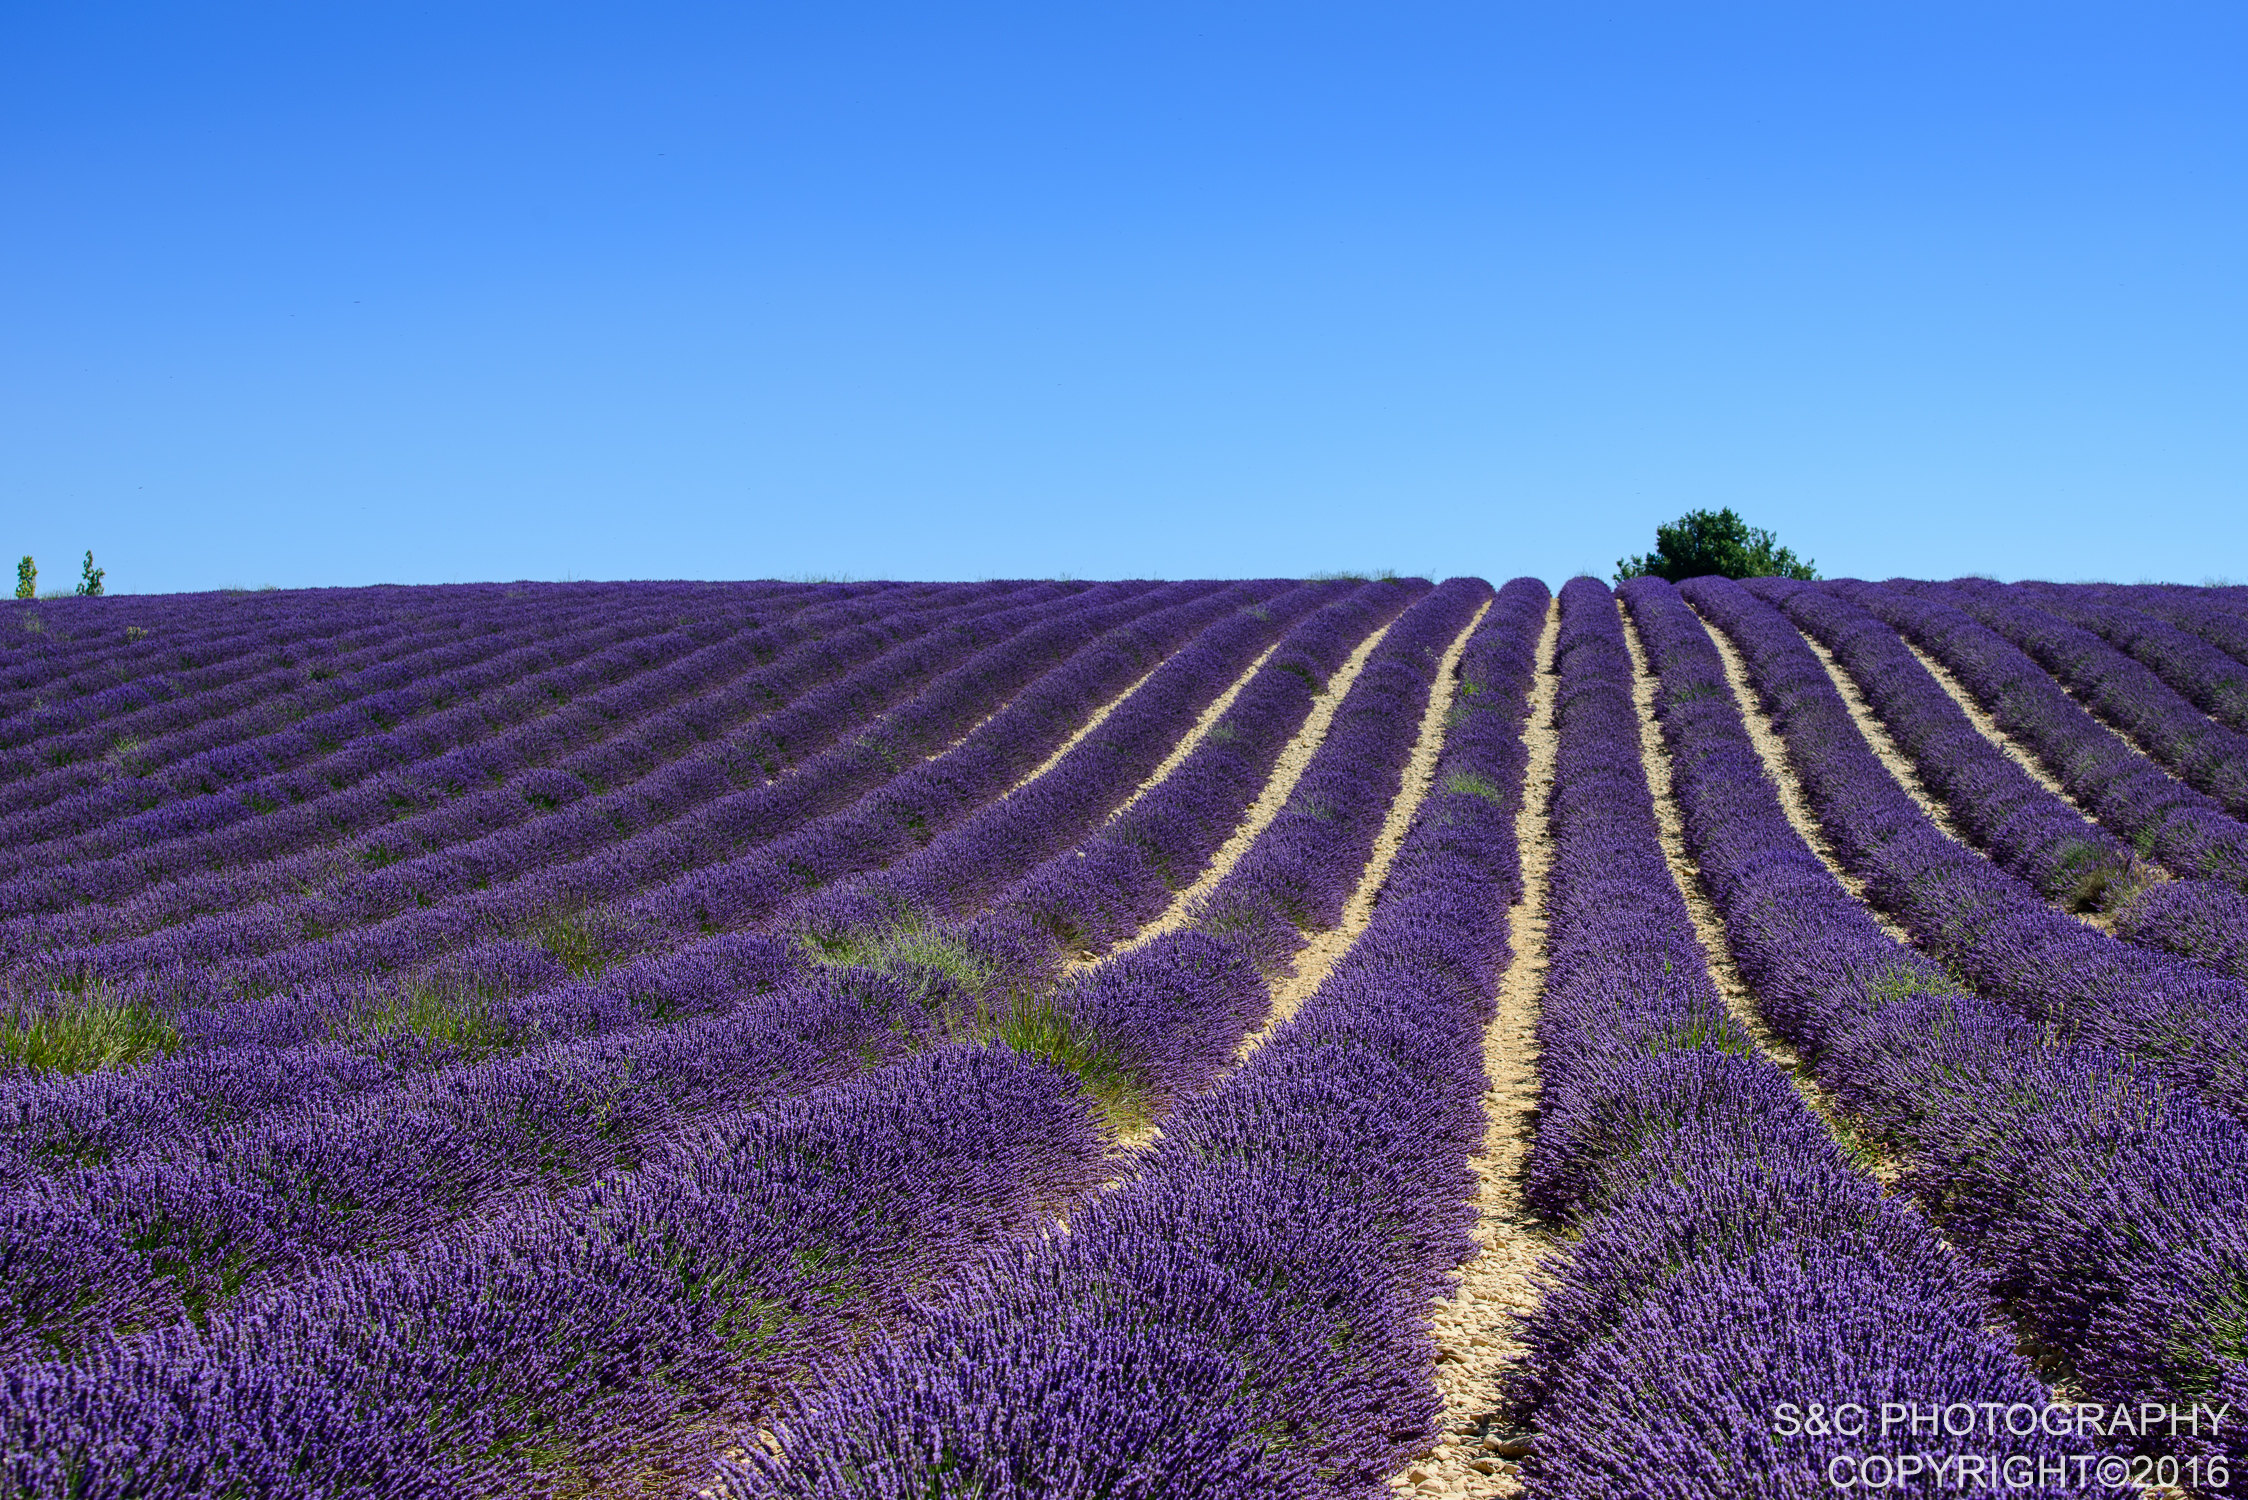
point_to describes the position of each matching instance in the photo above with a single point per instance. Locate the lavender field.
(1250, 1039)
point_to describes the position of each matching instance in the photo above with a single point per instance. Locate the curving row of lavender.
(2128, 694)
(497, 761)
(2110, 1210)
(2027, 830)
(1724, 1255)
(1995, 931)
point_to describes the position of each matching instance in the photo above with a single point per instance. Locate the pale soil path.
(1286, 772)
(1082, 730)
(1192, 739)
(1772, 750)
(1317, 957)
(1709, 925)
(1475, 1327)
(1892, 755)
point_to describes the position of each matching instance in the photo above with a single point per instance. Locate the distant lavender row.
(568, 675)
(955, 874)
(51, 671)
(304, 713)
(594, 1337)
(70, 755)
(610, 739)
(1245, 1314)
(182, 643)
(2204, 754)
(2202, 611)
(2112, 1210)
(1723, 1256)
(2164, 818)
(2190, 1025)
(2213, 680)
(207, 666)
(1085, 901)
(56, 783)
(449, 906)
(2030, 832)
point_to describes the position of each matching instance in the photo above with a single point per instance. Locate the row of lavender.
(1727, 1262)
(653, 1356)
(2107, 1207)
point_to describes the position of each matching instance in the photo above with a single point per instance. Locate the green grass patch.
(582, 942)
(912, 952)
(1468, 784)
(78, 1033)
(1040, 1029)
(455, 1017)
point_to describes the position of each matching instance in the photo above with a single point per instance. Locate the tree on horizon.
(1702, 542)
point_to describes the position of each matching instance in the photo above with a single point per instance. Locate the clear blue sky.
(338, 293)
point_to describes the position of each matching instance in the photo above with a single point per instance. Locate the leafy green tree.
(1701, 542)
(27, 579)
(89, 582)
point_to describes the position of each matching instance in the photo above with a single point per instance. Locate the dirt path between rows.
(1891, 754)
(1286, 772)
(1099, 716)
(1192, 739)
(1475, 1327)
(1709, 925)
(1318, 956)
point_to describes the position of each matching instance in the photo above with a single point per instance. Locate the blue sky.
(342, 293)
